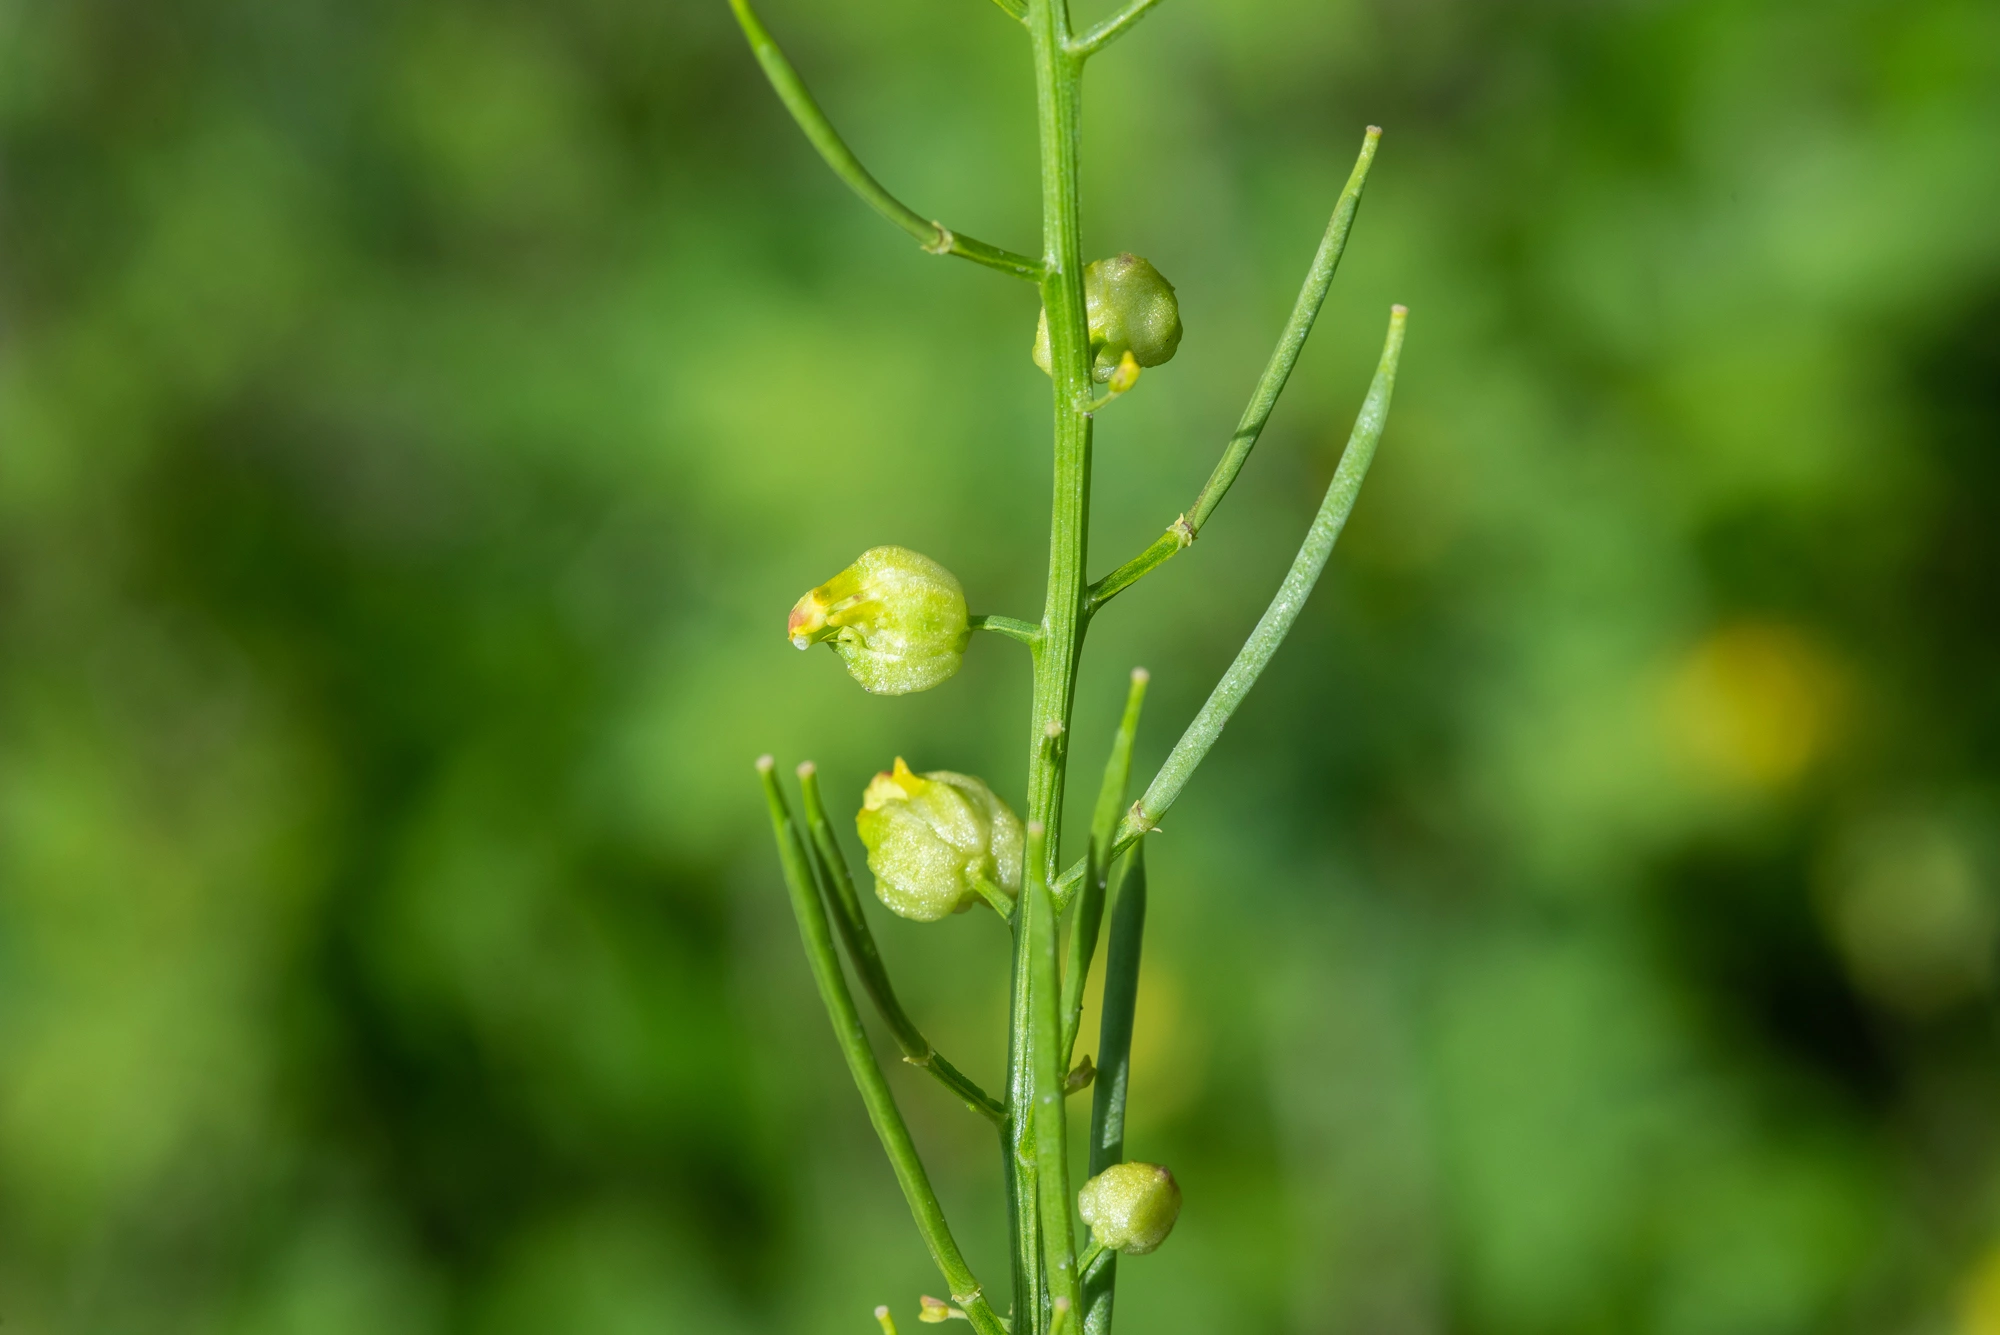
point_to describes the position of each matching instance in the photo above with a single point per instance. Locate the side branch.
(1051, 1141)
(1103, 826)
(875, 1093)
(1312, 295)
(838, 887)
(1027, 632)
(1114, 1080)
(1109, 31)
(1277, 620)
(934, 237)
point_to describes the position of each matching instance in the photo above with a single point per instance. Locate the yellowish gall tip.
(1126, 373)
(807, 769)
(765, 764)
(1140, 674)
(895, 617)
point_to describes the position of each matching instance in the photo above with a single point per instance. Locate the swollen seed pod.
(895, 617)
(1131, 308)
(932, 837)
(1130, 1207)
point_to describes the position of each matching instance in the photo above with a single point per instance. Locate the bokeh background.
(416, 417)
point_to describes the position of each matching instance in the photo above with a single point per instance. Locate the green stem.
(1027, 632)
(1017, 1151)
(1114, 1067)
(1109, 31)
(1312, 295)
(933, 236)
(838, 887)
(1050, 1103)
(1277, 620)
(1090, 903)
(1033, 1174)
(875, 1093)
(996, 898)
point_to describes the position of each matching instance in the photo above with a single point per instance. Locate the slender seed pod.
(1130, 1207)
(1131, 307)
(931, 839)
(895, 617)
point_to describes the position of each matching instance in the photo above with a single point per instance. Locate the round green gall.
(1130, 1207)
(931, 838)
(895, 617)
(1131, 307)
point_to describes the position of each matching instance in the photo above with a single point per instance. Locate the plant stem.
(1090, 902)
(1312, 295)
(1050, 1106)
(1017, 1151)
(1033, 1175)
(875, 1092)
(1257, 651)
(1109, 31)
(1114, 1066)
(933, 236)
(1027, 632)
(838, 887)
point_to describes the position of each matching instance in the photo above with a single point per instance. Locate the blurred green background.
(417, 416)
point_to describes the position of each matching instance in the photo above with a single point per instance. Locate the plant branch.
(1109, 31)
(1277, 620)
(1114, 1073)
(933, 236)
(1312, 295)
(1014, 9)
(1051, 1121)
(1027, 632)
(838, 888)
(996, 898)
(1090, 902)
(1016, 1140)
(875, 1092)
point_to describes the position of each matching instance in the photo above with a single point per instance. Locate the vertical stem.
(1057, 115)
(1057, 102)
(1114, 1066)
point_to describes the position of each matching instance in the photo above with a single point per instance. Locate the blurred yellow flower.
(1979, 1306)
(1755, 704)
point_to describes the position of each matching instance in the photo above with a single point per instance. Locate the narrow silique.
(941, 842)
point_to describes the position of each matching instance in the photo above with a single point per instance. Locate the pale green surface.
(1130, 1207)
(896, 618)
(1131, 309)
(930, 837)
(415, 421)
